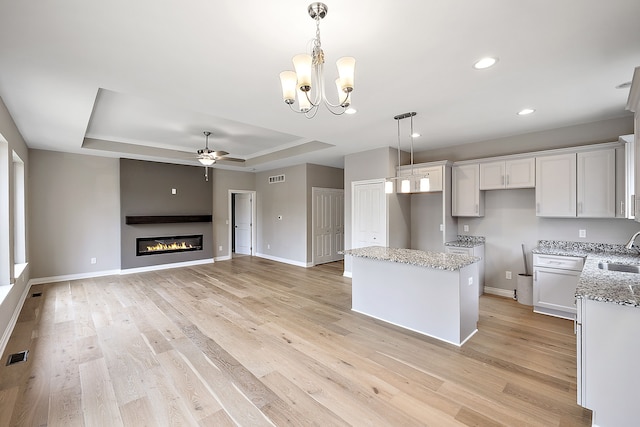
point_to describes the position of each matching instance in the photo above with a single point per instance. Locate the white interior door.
(242, 222)
(369, 214)
(328, 224)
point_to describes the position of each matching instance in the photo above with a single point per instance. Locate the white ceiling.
(117, 77)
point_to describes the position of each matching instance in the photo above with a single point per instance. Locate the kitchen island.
(433, 293)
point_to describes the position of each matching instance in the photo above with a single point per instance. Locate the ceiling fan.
(207, 157)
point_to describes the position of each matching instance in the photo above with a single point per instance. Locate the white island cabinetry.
(433, 293)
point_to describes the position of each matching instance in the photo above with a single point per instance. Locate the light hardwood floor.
(253, 342)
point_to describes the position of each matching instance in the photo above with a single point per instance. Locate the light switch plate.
(465, 227)
(582, 233)
(174, 191)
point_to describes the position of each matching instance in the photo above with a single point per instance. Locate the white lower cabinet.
(554, 284)
(608, 347)
(478, 251)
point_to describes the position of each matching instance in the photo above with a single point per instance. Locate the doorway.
(242, 212)
(327, 218)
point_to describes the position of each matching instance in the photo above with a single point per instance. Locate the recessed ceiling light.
(485, 63)
(526, 111)
(415, 135)
(351, 110)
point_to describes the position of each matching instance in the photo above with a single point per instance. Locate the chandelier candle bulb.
(303, 101)
(346, 70)
(288, 80)
(302, 64)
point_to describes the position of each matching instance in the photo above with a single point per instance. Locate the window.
(19, 216)
(5, 263)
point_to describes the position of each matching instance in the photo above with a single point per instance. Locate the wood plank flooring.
(253, 342)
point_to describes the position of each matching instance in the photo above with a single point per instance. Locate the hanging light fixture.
(406, 182)
(205, 155)
(309, 75)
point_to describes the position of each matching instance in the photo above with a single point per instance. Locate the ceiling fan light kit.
(309, 74)
(205, 155)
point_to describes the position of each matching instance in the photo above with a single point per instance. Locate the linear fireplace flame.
(163, 245)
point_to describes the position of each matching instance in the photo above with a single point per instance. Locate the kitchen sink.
(626, 268)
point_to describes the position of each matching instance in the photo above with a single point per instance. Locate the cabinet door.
(597, 184)
(466, 200)
(520, 173)
(492, 175)
(554, 291)
(556, 185)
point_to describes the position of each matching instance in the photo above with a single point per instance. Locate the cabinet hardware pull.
(476, 208)
(507, 179)
(503, 180)
(621, 207)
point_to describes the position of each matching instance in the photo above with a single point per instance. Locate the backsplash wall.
(510, 220)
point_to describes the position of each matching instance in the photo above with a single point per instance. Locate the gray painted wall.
(223, 181)
(510, 220)
(283, 239)
(374, 164)
(14, 142)
(75, 213)
(146, 189)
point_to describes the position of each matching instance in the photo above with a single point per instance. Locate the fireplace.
(164, 245)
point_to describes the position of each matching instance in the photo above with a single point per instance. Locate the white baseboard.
(14, 319)
(79, 276)
(222, 258)
(166, 266)
(508, 293)
(347, 274)
(286, 261)
(65, 277)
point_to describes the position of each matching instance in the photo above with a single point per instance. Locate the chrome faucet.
(630, 244)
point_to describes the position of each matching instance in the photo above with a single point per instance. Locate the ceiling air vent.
(276, 179)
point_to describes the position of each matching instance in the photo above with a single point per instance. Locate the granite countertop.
(436, 260)
(596, 284)
(463, 241)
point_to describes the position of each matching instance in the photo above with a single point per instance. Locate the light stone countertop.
(463, 241)
(600, 285)
(435, 260)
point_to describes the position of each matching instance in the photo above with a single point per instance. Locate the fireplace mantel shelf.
(166, 219)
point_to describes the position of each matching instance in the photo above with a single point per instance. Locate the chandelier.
(309, 74)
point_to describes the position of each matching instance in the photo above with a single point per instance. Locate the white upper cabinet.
(597, 184)
(515, 173)
(556, 185)
(466, 197)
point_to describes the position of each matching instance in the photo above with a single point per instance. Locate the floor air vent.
(37, 294)
(17, 357)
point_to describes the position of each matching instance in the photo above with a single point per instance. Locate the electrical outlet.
(582, 233)
(220, 248)
(465, 227)
(441, 227)
(93, 260)
(268, 246)
(470, 280)
(508, 275)
(174, 191)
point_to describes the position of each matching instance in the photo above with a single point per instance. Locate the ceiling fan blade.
(230, 159)
(219, 153)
